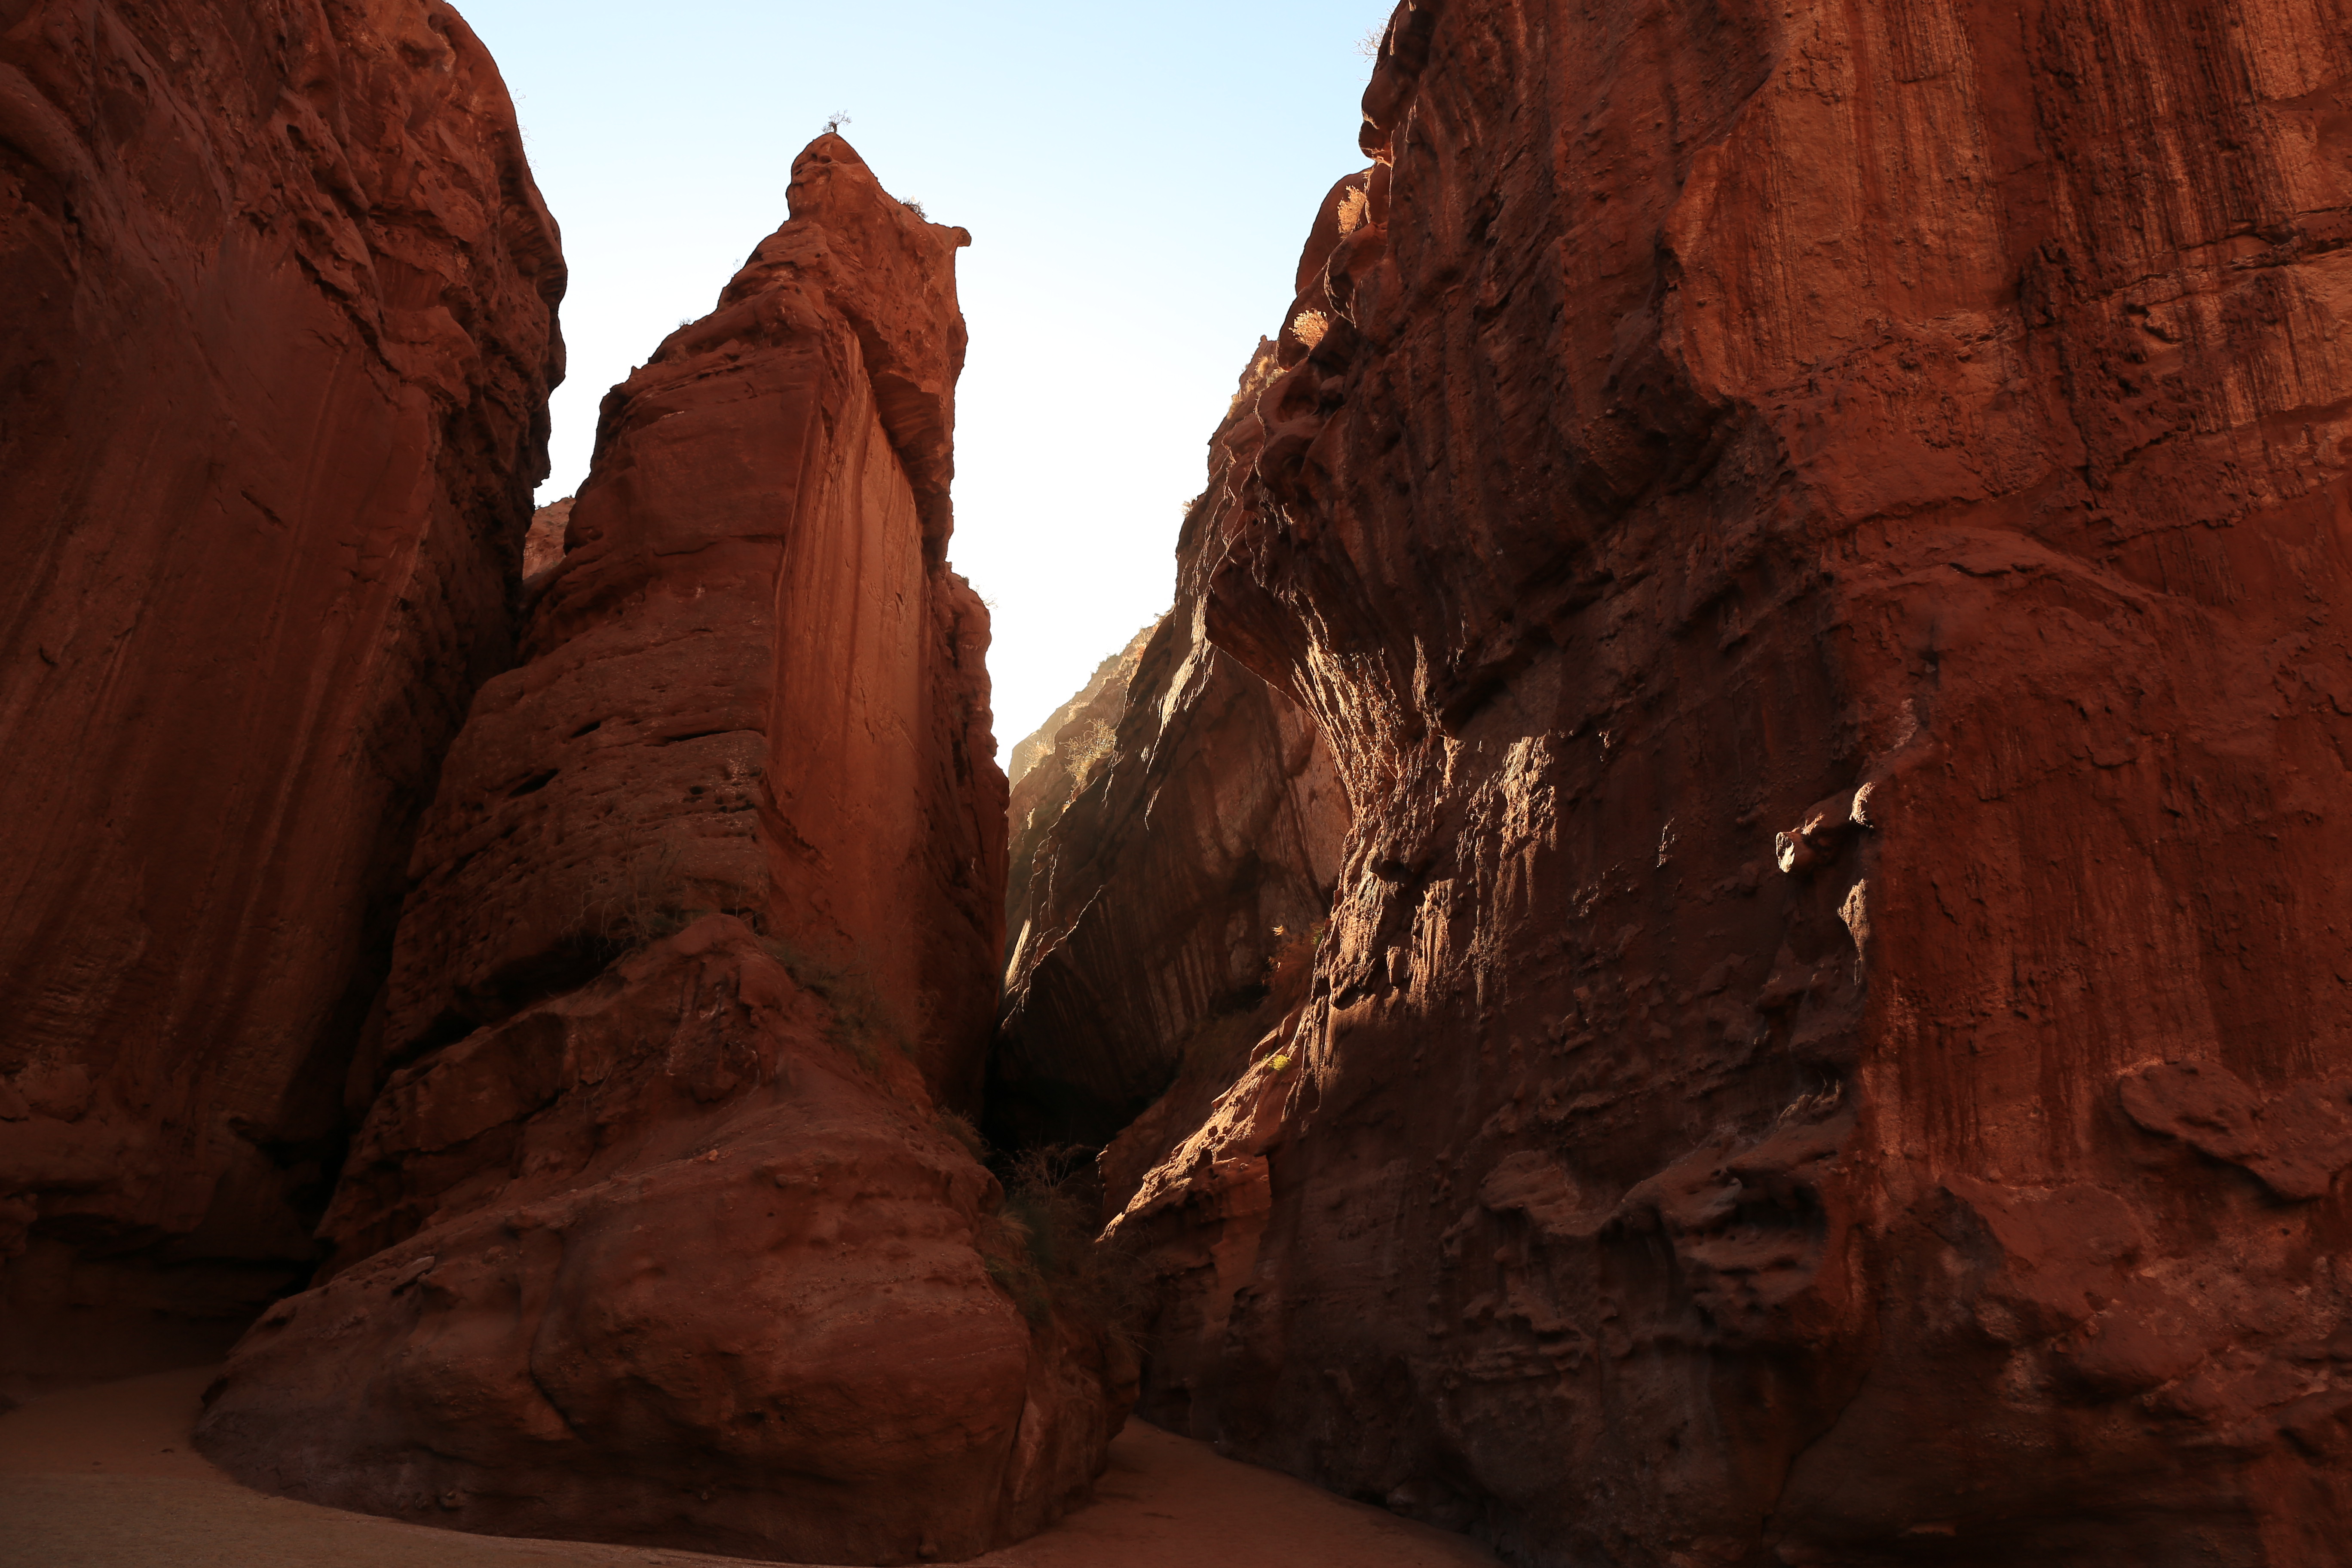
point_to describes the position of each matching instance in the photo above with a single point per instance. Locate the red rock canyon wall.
(1816, 537)
(277, 328)
(1177, 830)
(655, 1230)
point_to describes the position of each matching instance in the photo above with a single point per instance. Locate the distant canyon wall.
(1178, 833)
(278, 298)
(1815, 541)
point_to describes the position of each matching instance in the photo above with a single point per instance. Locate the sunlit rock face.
(276, 329)
(1816, 539)
(657, 1228)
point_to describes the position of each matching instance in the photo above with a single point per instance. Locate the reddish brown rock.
(708, 719)
(697, 1267)
(1815, 536)
(1181, 826)
(542, 546)
(276, 296)
(655, 1230)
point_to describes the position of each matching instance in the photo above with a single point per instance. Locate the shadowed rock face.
(276, 329)
(1815, 538)
(654, 1230)
(1179, 827)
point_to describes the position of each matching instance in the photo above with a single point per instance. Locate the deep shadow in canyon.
(1711, 935)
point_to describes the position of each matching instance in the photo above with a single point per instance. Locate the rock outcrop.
(1178, 833)
(542, 545)
(1815, 538)
(661, 1226)
(276, 329)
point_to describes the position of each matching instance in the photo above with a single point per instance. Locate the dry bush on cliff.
(1045, 1245)
(860, 1022)
(1255, 380)
(633, 902)
(1087, 751)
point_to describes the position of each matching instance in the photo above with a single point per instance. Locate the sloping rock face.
(654, 1231)
(1182, 825)
(278, 296)
(1054, 750)
(542, 545)
(1816, 537)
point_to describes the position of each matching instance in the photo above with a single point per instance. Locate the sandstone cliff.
(277, 328)
(1815, 538)
(655, 1230)
(1180, 828)
(542, 543)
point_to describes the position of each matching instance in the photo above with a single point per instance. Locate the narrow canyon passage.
(1711, 935)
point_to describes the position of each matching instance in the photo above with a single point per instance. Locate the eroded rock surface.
(654, 1230)
(542, 545)
(277, 328)
(1814, 536)
(1177, 832)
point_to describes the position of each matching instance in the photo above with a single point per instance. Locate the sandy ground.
(105, 1478)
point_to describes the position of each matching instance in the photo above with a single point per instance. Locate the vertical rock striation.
(1179, 828)
(1815, 537)
(654, 1231)
(276, 329)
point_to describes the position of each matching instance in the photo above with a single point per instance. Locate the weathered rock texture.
(277, 328)
(542, 545)
(1817, 538)
(653, 1232)
(1179, 826)
(1046, 748)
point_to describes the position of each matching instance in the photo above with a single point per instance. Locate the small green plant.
(1279, 1061)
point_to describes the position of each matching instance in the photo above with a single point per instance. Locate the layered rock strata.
(1815, 538)
(1178, 834)
(278, 302)
(658, 1230)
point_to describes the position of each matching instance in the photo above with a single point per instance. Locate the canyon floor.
(105, 1477)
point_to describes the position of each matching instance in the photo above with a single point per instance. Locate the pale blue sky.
(1137, 178)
